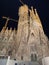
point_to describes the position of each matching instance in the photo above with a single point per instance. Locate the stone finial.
(23, 9)
(15, 30)
(3, 30)
(10, 31)
(6, 29)
(6, 33)
(36, 14)
(32, 9)
(35, 11)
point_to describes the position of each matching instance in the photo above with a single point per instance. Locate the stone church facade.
(29, 42)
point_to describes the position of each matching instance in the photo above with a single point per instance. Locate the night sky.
(10, 8)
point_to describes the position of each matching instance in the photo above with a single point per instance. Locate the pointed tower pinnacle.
(3, 30)
(10, 31)
(34, 16)
(37, 17)
(15, 31)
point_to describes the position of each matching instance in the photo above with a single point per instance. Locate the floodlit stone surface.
(29, 42)
(45, 61)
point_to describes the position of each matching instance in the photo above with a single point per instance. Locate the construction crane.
(21, 2)
(24, 4)
(7, 20)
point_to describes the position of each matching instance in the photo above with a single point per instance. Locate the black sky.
(10, 8)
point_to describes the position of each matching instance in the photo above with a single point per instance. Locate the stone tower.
(22, 33)
(31, 39)
(38, 41)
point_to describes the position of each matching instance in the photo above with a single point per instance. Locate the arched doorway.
(33, 57)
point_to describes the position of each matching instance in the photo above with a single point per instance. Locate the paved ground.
(4, 61)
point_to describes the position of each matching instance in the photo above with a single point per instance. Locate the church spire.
(37, 16)
(21, 2)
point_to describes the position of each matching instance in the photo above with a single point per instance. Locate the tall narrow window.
(9, 52)
(21, 57)
(31, 57)
(35, 57)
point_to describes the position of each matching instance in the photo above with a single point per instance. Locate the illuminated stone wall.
(29, 42)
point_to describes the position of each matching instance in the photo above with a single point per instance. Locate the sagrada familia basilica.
(28, 42)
